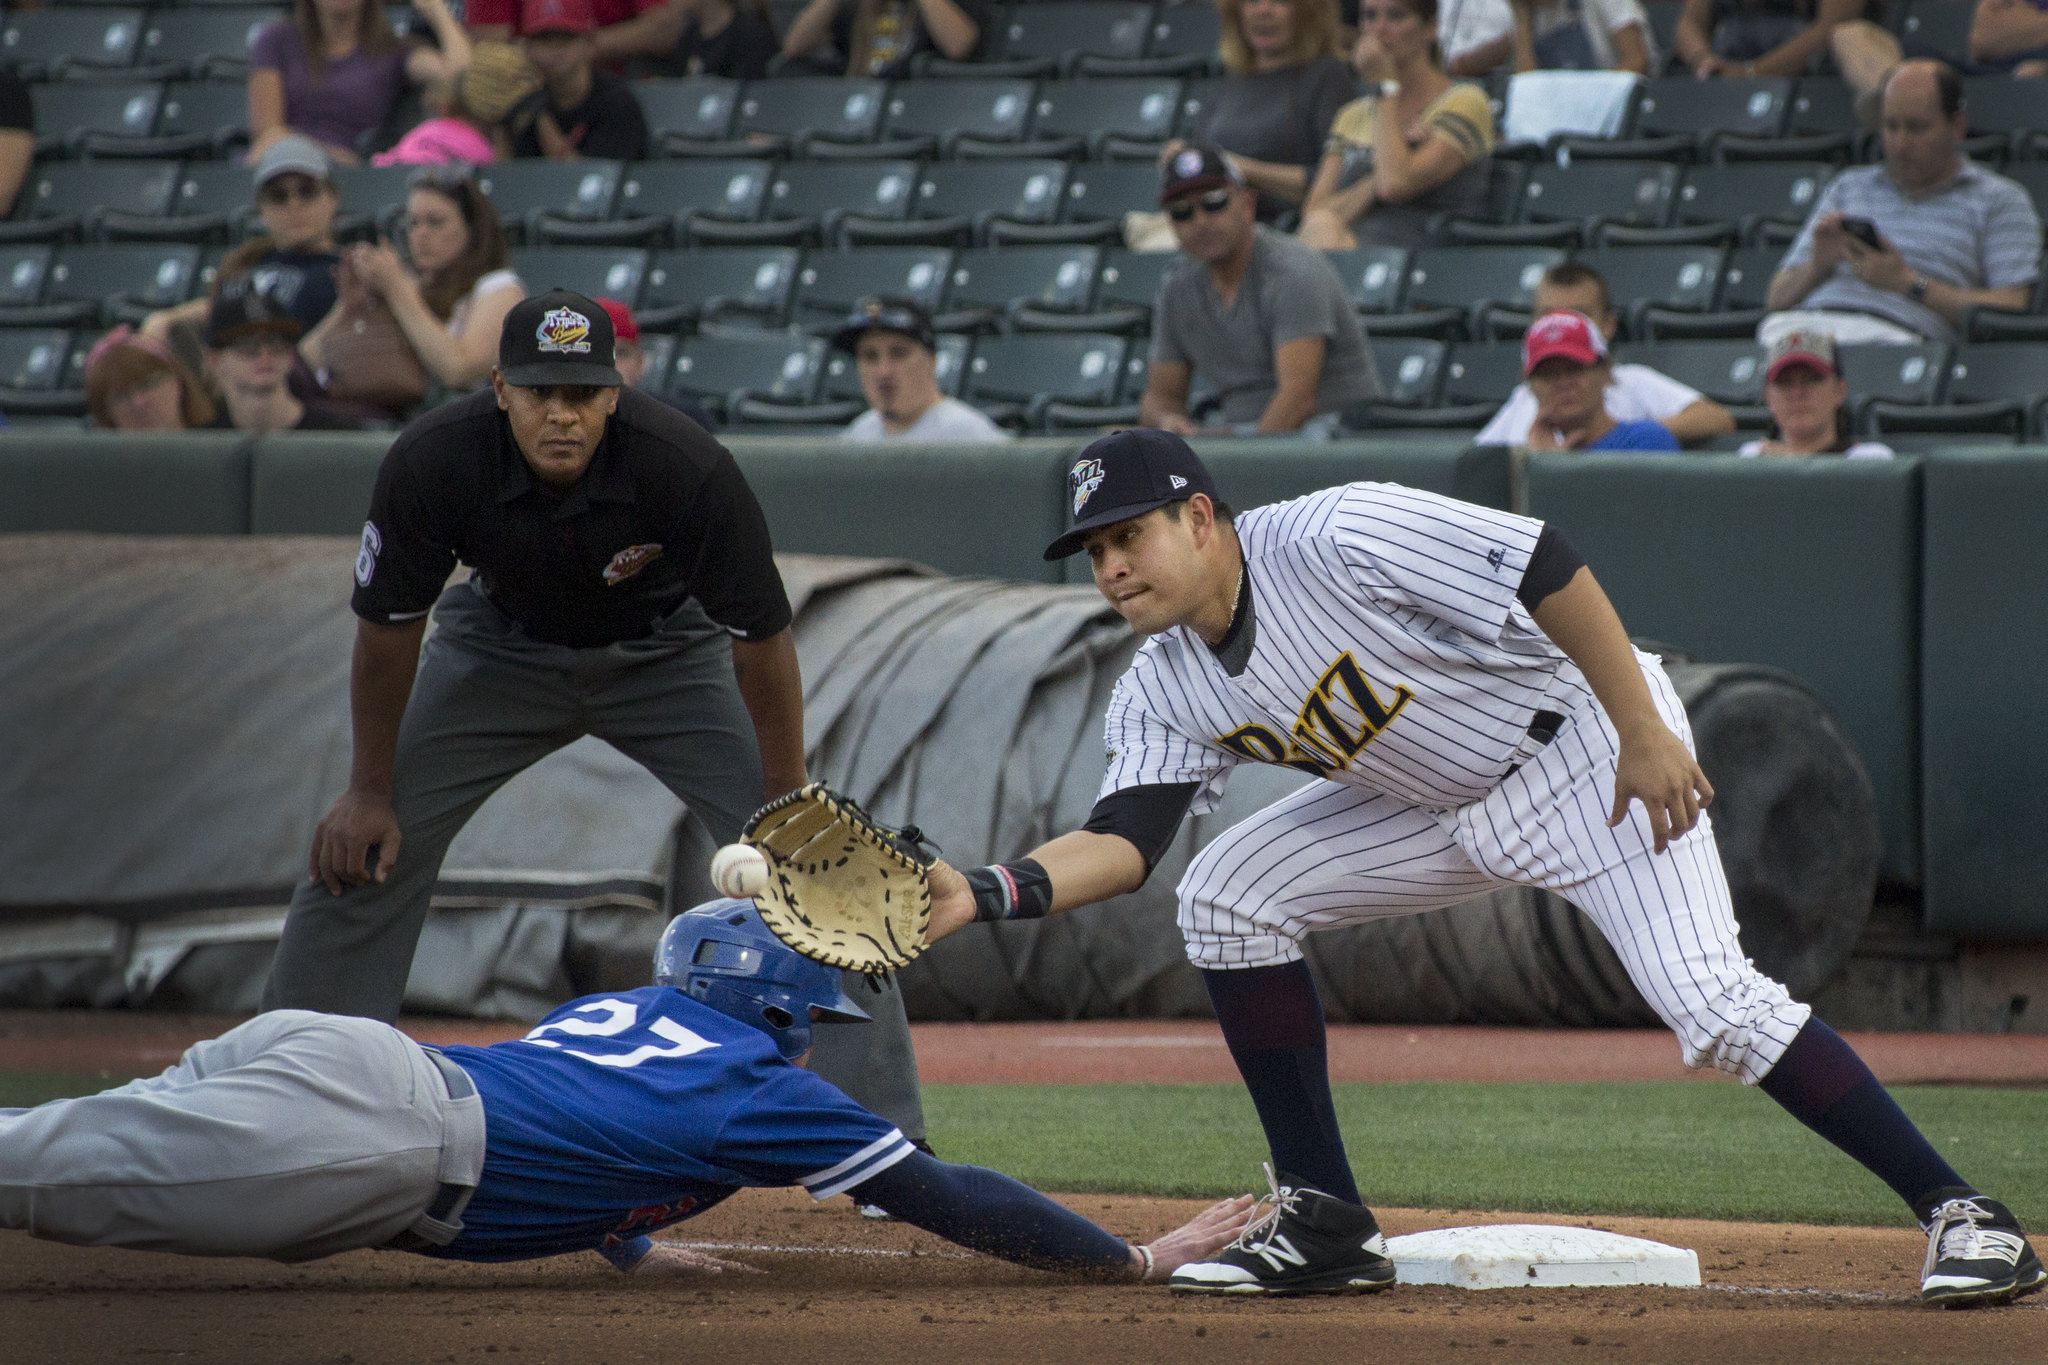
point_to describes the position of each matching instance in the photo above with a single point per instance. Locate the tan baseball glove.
(841, 888)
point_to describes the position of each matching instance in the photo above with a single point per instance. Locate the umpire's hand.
(357, 842)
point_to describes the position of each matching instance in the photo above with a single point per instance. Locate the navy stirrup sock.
(1272, 1019)
(1823, 1083)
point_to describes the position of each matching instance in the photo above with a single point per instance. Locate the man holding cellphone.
(1954, 235)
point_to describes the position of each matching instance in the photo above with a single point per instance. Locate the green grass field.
(1679, 1149)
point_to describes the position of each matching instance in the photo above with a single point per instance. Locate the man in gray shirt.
(1950, 235)
(1262, 318)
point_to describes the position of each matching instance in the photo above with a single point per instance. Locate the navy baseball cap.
(886, 313)
(242, 308)
(559, 337)
(1126, 474)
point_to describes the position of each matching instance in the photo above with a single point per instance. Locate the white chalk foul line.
(822, 1251)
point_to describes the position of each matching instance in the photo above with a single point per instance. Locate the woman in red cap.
(1809, 402)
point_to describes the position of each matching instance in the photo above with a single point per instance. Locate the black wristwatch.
(1917, 290)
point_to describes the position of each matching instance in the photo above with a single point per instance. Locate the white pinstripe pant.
(1334, 854)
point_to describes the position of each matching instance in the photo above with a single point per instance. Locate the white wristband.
(1145, 1275)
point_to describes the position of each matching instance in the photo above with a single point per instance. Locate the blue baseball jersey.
(1636, 436)
(621, 1114)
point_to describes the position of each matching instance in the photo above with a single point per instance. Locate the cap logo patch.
(1177, 481)
(1084, 480)
(1187, 163)
(564, 331)
(628, 562)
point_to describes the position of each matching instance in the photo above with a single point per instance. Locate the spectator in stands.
(1758, 37)
(250, 341)
(17, 137)
(879, 37)
(1272, 113)
(335, 71)
(1564, 360)
(731, 38)
(623, 28)
(1951, 235)
(892, 342)
(1414, 148)
(1635, 393)
(631, 362)
(1577, 35)
(452, 299)
(2011, 36)
(134, 383)
(1262, 317)
(588, 112)
(293, 259)
(469, 111)
(1809, 402)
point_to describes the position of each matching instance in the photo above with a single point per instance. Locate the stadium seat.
(1197, 97)
(1060, 32)
(1132, 110)
(940, 113)
(115, 113)
(44, 43)
(1747, 276)
(1131, 279)
(1374, 276)
(1990, 390)
(1411, 370)
(1699, 112)
(829, 283)
(709, 283)
(530, 190)
(2011, 114)
(676, 193)
(963, 198)
(594, 272)
(32, 372)
(1104, 191)
(807, 199)
(1595, 193)
(798, 109)
(22, 272)
(1894, 374)
(990, 284)
(1936, 28)
(1729, 372)
(692, 109)
(1681, 278)
(1481, 374)
(215, 110)
(1748, 194)
(204, 43)
(842, 375)
(1015, 378)
(110, 284)
(723, 368)
(66, 200)
(1822, 104)
(1185, 38)
(1476, 278)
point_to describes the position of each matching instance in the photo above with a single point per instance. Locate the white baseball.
(739, 870)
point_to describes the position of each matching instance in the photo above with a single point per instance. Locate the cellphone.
(1864, 231)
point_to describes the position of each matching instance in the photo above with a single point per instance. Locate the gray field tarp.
(174, 713)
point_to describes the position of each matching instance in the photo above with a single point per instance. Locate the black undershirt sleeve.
(1146, 817)
(1551, 565)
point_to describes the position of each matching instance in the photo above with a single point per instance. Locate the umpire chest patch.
(628, 562)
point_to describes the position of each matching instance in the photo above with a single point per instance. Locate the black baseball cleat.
(1976, 1254)
(1301, 1242)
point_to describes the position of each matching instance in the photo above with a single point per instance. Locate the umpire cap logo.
(1085, 478)
(564, 331)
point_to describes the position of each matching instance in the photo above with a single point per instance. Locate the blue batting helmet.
(722, 954)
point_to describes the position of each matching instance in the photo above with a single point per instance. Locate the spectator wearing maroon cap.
(589, 112)
(619, 28)
(1564, 359)
(1809, 402)
(632, 363)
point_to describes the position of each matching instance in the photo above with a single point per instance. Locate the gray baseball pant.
(291, 1136)
(490, 701)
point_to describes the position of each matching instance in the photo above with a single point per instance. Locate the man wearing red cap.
(618, 29)
(589, 112)
(632, 363)
(1564, 359)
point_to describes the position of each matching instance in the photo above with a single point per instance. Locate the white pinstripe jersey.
(1390, 653)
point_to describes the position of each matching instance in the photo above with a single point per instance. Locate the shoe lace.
(1954, 1232)
(1276, 1203)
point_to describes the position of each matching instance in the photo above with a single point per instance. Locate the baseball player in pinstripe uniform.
(1473, 716)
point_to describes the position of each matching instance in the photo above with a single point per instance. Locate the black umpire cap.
(886, 313)
(559, 337)
(1126, 474)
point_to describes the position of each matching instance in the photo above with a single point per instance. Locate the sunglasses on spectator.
(285, 189)
(1215, 201)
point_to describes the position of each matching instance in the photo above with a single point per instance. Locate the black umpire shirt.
(662, 514)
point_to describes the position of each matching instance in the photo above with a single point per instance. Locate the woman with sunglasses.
(296, 202)
(1413, 148)
(451, 299)
(1273, 110)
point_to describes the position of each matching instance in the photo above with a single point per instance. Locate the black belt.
(1543, 728)
(449, 1199)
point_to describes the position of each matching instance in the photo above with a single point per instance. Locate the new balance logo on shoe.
(1280, 1253)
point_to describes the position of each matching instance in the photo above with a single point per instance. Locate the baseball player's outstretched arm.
(1084, 868)
(1655, 767)
(379, 685)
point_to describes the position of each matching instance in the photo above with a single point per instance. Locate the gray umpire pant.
(490, 701)
(291, 1136)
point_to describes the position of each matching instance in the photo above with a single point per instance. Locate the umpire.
(624, 587)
